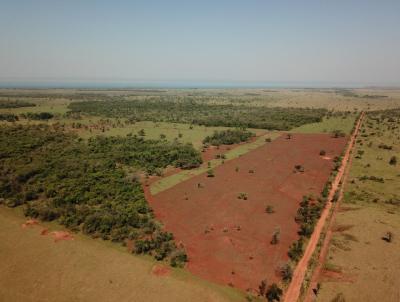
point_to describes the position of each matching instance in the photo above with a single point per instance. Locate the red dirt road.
(228, 239)
(293, 292)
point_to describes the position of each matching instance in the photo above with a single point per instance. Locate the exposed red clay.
(228, 239)
(44, 232)
(61, 235)
(30, 222)
(332, 276)
(160, 270)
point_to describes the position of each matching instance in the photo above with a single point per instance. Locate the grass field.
(35, 268)
(184, 133)
(328, 125)
(360, 265)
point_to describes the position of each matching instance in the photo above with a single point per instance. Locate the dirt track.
(293, 292)
(228, 239)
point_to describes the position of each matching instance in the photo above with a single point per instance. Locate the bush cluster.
(228, 137)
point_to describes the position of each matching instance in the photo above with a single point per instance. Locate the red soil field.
(228, 239)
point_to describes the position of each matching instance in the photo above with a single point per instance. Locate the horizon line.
(190, 84)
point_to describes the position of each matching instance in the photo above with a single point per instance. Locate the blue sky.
(341, 41)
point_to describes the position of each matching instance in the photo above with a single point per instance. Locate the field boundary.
(293, 292)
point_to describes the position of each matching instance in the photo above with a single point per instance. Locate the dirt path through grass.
(293, 292)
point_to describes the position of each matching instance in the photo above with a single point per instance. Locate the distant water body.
(172, 85)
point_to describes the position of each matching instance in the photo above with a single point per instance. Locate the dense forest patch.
(202, 113)
(38, 115)
(228, 137)
(9, 117)
(82, 185)
(15, 104)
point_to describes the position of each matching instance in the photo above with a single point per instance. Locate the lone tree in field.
(322, 152)
(393, 160)
(276, 236)
(242, 195)
(388, 237)
(210, 173)
(269, 209)
(299, 168)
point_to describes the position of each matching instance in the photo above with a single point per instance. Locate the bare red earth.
(29, 223)
(160, 270)
(228, 239)
(61, 235)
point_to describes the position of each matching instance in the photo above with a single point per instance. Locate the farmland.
(223, 244)
(223, 187)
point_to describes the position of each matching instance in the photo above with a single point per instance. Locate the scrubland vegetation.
(201, 113)
(15, 104)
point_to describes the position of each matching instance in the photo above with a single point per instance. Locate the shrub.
(276, 236)
(269, 209)
(274, 292)
(296, 250)
(322, 152)
(242, 195)
(179, 259)
(286, 272)
(393, 160)
(388, 237)
(299, 168)
(338, 133)
(262, 288)
(210, 173)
